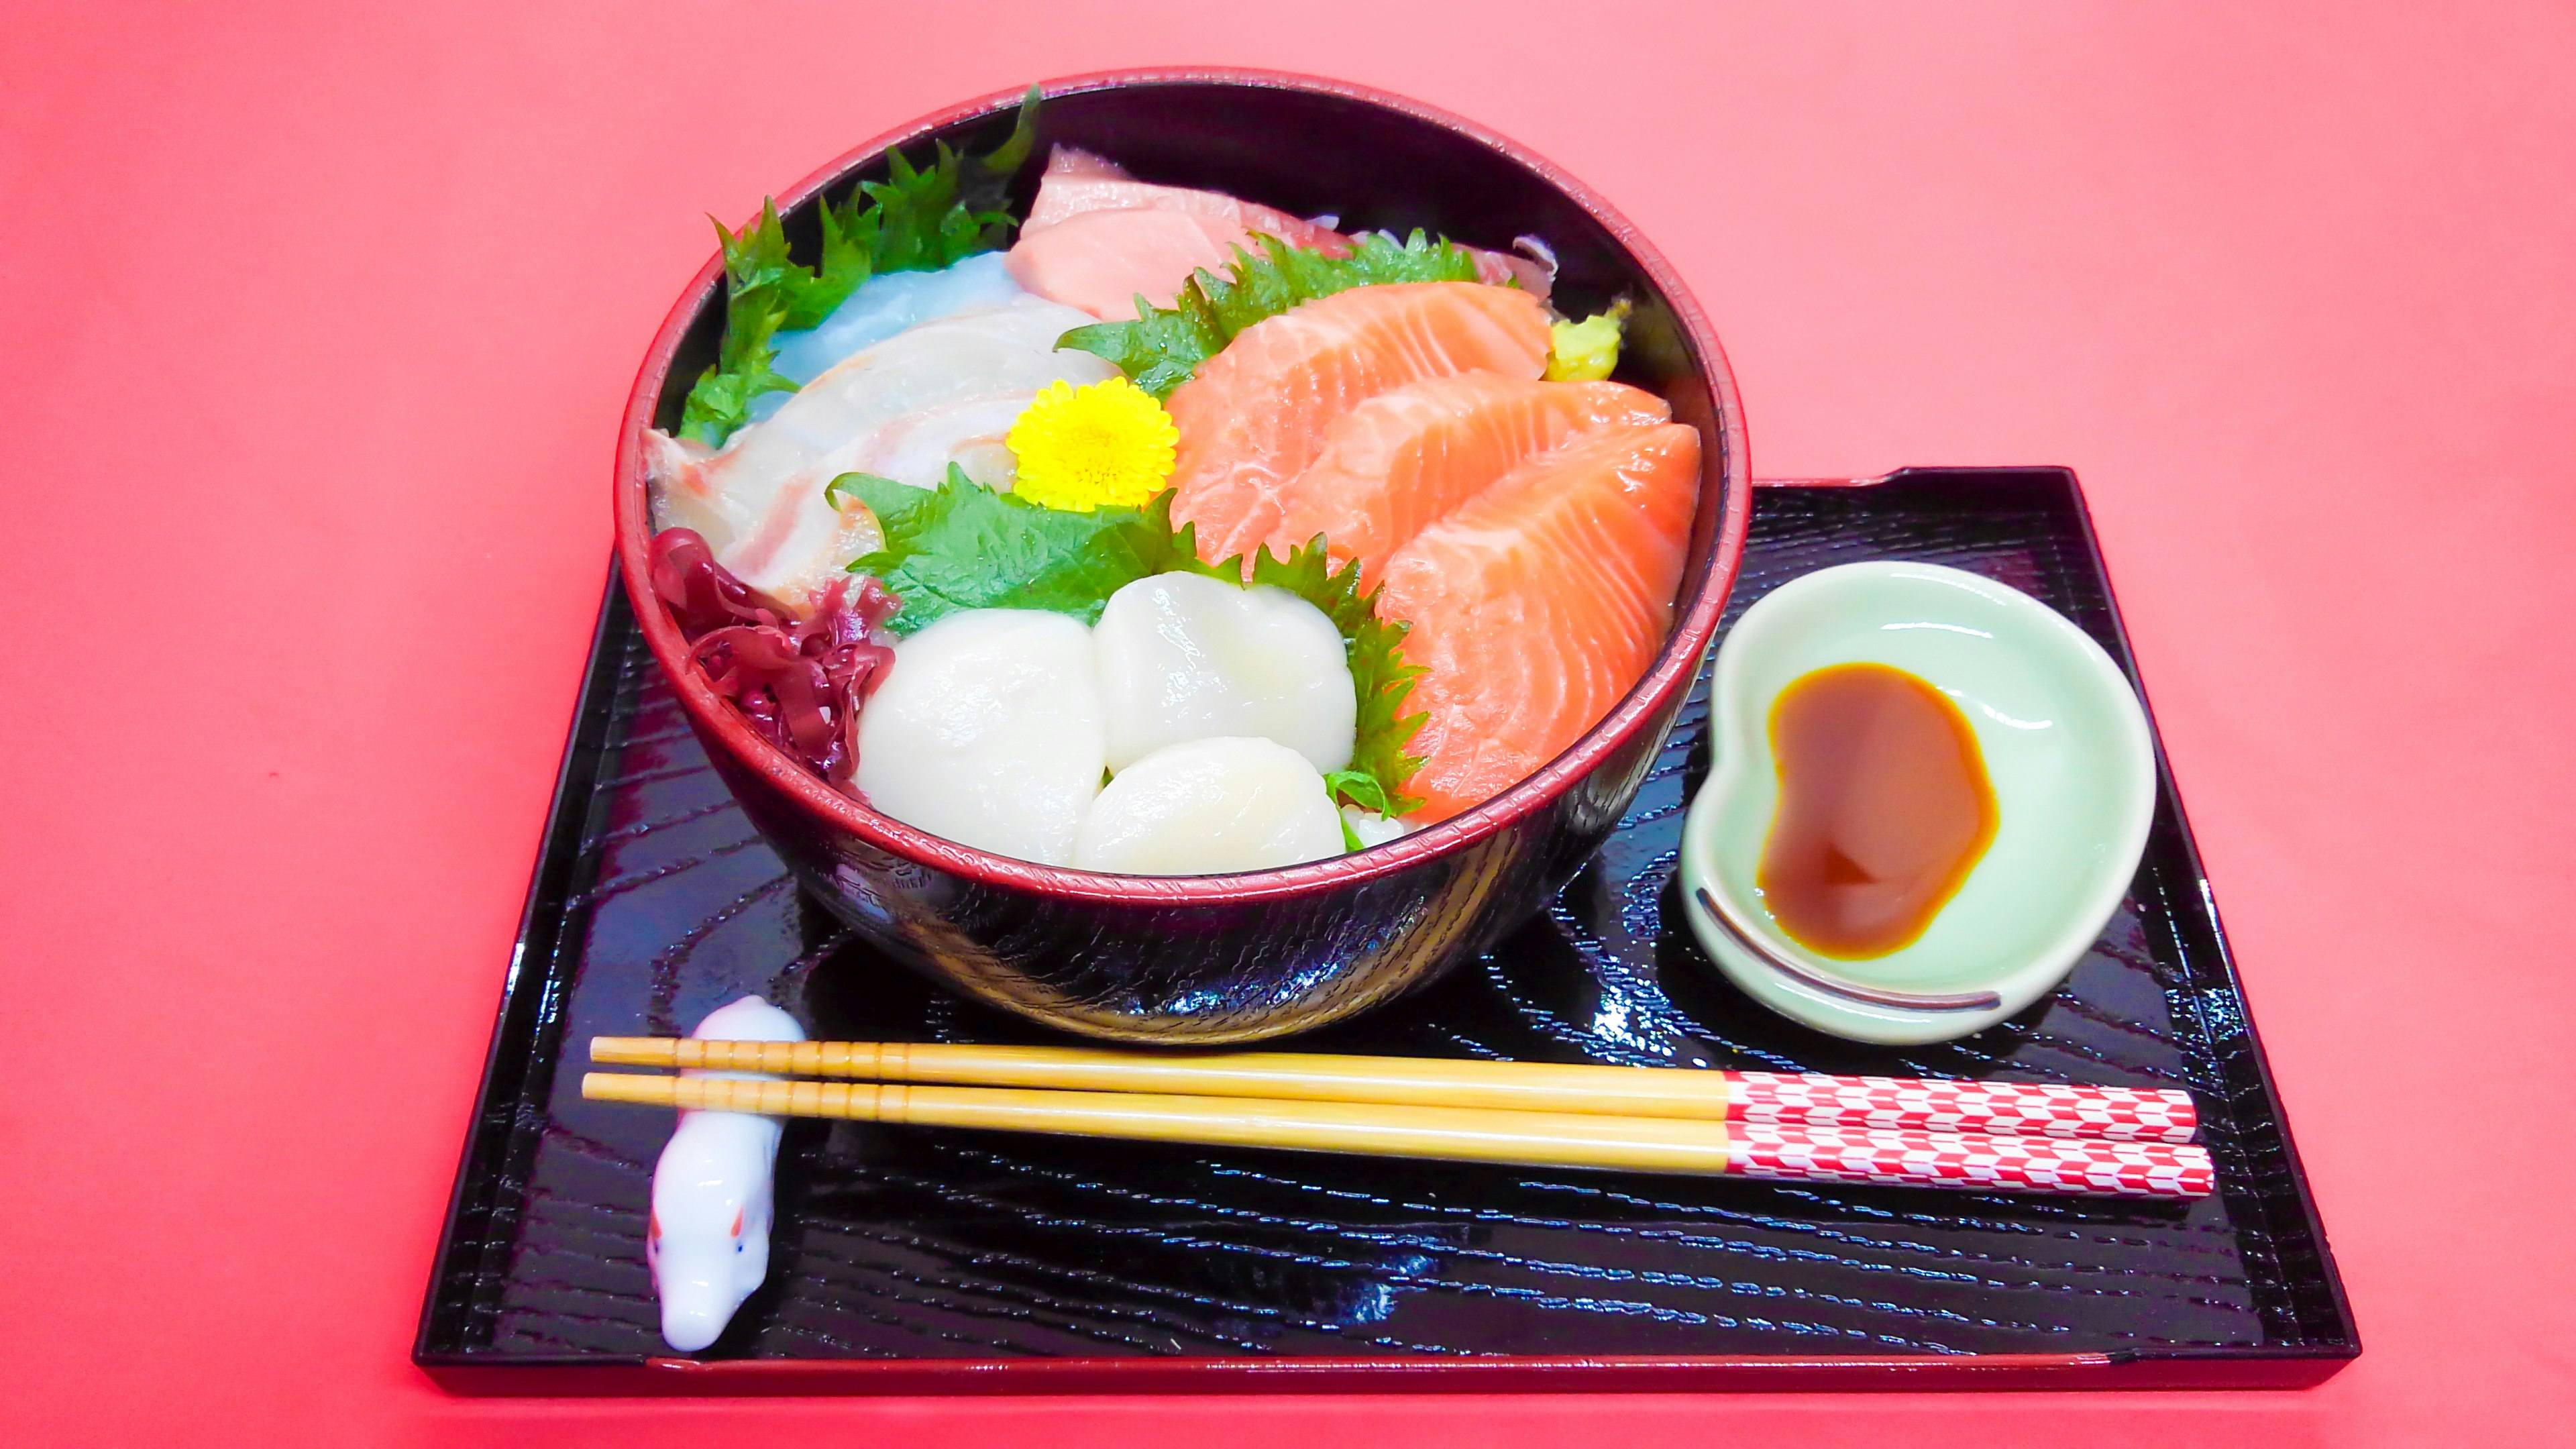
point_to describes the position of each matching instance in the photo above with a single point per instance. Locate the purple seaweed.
(799, 681)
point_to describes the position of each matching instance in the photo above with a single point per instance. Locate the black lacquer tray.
(911, 1259)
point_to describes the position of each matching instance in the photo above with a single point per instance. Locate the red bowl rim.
(1674, 669)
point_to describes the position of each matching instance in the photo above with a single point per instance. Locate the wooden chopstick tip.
(635, 1051)
(629, 1087)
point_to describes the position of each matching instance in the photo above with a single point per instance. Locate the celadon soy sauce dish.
(2065, 752)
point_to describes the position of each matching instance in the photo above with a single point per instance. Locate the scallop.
(1370, 828)
(1186, 657)
(1211, 807)
(987, 731)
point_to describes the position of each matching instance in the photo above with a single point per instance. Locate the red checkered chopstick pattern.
(1927, 1105)
(1820, 1152)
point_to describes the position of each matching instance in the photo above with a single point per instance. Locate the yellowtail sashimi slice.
(1096, 238)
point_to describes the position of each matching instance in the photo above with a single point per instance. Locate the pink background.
(318, 324)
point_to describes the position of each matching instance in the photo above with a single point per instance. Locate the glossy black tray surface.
(992, 1260)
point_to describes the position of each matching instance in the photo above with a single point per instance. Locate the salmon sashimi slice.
(1403, 459)
(1098, 239)
(1254, 416)
(1538, 604)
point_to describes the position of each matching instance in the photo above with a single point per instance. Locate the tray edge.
(544, 920)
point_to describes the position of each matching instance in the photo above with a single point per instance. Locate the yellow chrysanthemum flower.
(1108, 445)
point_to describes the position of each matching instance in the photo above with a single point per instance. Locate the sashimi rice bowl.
(1183, 557)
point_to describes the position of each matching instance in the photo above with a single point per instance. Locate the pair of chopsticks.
(1996, 1136)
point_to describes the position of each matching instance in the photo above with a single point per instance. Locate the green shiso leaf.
(1164, 346)
(964, 546)
(914, 220)
(848, 483)
(1356, 787)
(1379, 674)
(992, 173)
(759, 284)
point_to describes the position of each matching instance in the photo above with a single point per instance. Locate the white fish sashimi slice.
(917, 448)
(677, 467)
(1210, 807)
(884, 306)
(759, 502)
(987, 732)
(1186, 657)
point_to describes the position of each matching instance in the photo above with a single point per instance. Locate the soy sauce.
(1884, 809)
